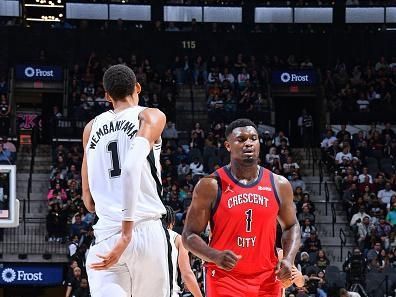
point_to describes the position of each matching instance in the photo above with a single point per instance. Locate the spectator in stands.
(304, 264)
(321, 260)
(391, 216)
(375, 251)
(290, 167)
(344, 292)
(298, 193)
(200, 70)
(69, 273)
(5, 155)
(362, 177)
(297, 182)
(226, 75)
(312, 244)
(382, 232)
(83, 290)
(73, 245)
(388, 130)
(343, 155)
(343, 133)
(306, 214)
(58, 194)
(197, 168)
(365, 229)
(328, 141)
(8, 145)
(358, 217)
(306, 230)
(170, 132)
(183, 169)
(74, 283)
(305, 124)
(386, 194)
(5, 110)
(306, 201)
(271, 156)
(54, 223)
(78, 227)
(278, 139)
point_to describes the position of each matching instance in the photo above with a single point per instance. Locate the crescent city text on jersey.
(126, 126)
(247, 198)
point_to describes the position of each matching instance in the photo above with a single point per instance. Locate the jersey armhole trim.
(218, 198)
(274, 188)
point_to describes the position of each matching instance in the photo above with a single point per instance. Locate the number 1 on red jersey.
(249, 219)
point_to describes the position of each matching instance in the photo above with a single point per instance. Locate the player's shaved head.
(237, 124)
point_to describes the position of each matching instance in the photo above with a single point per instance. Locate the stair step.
(35, 176)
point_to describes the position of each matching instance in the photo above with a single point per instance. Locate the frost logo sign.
(40, 73)
(8, 275)
(285, 77)
(30, 275)
(297, 77)
(37, 72)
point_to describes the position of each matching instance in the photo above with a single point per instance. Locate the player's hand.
(226, 260)
(298, 278)
(284, 273)
(113, 256)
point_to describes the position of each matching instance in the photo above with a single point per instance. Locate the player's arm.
(185, 269)
(290, 227)
(152, 122)
(204, 196)
(87, 197)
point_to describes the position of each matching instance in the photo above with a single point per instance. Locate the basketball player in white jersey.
(179, 258)
(121, 184)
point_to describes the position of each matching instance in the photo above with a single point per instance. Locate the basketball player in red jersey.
(243, 202)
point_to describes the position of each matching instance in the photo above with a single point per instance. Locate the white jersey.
(109, 142)
(175, 255)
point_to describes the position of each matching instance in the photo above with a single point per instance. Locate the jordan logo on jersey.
(229, 189)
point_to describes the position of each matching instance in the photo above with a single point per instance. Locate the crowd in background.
(233, 84)
(362, 87)
(363, 167)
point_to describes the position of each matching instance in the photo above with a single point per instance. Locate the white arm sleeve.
(132, 174)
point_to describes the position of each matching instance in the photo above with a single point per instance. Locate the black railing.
(29, 185)
(327, 196)
(333, 217)
(320, 165)
(342, 243)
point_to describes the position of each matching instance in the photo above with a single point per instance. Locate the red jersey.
(244, 220)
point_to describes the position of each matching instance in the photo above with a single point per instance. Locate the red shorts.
(220, 283)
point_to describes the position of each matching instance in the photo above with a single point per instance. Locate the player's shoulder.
(150, 112)
(279, 180)
(208, 185)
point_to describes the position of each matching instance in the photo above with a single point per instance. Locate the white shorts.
(142, 270)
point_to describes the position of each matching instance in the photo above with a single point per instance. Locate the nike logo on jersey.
(260, 188)
(213, 273)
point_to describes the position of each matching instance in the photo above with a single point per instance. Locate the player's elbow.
(186, 235)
